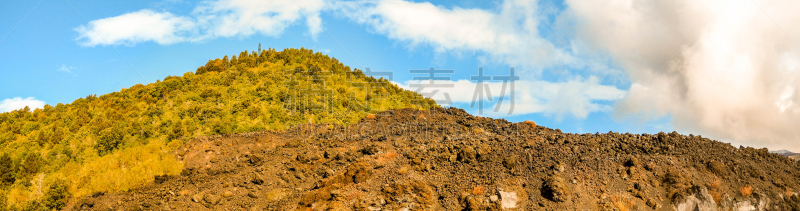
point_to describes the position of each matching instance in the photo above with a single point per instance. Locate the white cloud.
(19, 103)
(132, 28)
(227, 18)
(65, 68)
(210, 19)
(726, 69)
(577, 97)
(509, 36)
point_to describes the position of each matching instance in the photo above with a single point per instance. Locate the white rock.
(508, 199)
(744, 206)
(698, 200)
(493, 198)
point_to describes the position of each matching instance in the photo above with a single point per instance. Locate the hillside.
(121, 140)
(447, 159)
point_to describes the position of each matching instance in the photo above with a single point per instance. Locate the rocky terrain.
(446, 159)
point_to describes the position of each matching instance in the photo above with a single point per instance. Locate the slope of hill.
(446, 159)
(120, 140)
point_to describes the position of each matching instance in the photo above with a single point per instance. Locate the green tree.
(30, 165)
(34, 205)
(5, 137)
(3, 202)
(110, 139)
(57, 195)
(234, 61)
(6, 170)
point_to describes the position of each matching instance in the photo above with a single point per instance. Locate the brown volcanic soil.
(446, 159)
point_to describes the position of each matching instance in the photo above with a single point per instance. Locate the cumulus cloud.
(577, 97)
(20, 103)
(728, 69)
(227, 18)
(132, 28)
(509, 35)
(210, 19)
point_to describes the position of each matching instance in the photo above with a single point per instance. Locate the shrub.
(718, 168)
(746, 191)
(531, 123)
(622, 203)
(713, 190)
(391, 155)
(478, 190)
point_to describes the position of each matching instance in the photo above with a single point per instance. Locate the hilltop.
(121, 140)
(447, 159)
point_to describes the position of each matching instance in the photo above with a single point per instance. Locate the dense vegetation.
(123, 139)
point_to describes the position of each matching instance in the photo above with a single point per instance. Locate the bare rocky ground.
(446, 159)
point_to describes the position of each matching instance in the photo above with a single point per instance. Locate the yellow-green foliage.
(120, 140)
(123, 169)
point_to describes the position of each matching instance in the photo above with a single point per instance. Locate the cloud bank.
(20, 103)
(728, 69)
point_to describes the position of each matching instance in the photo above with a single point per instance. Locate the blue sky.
(584, 67)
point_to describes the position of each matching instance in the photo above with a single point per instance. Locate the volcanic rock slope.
(446, 159)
